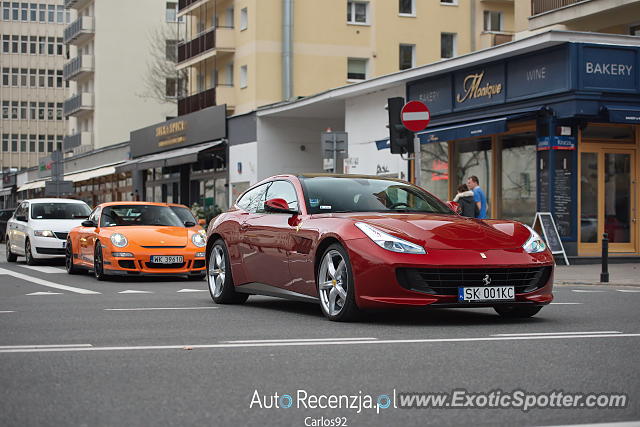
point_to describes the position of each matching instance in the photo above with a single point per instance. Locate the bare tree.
(162, 81)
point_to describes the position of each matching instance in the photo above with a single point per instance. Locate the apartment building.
(598, 16)
(116, 49)
(32, 89)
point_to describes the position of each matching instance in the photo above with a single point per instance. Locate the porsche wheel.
(28, 254)
(336, 286)
(219, 276)
(11, 257)
(68, 260)
(517, 312)
(98, 263)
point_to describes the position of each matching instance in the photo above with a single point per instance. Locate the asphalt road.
(166, 355)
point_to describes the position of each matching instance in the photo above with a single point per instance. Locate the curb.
(571, 283)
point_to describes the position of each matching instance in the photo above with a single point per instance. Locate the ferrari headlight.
(119, 240)
(389, 242)
(534, 244)
(44, 233)
(199, 240)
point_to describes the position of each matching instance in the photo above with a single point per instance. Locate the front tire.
(98, 263)
(68, 260)
(517, 311)
(28, 255)
(11, 257)
(336, 287)
(219, 279)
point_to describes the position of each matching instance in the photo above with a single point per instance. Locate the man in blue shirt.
(478, 196)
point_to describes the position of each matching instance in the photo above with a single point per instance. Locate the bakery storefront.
(555, 130)
(183, 160)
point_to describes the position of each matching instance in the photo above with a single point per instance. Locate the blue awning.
(464, 130)
(624, 113)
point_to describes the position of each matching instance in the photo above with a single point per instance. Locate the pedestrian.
(466, 201)
(478, 196)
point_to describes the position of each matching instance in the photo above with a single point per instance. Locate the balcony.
(79, 30)
(78, 67)
(583, 15)
(205, 45)
(494, 38)
(79, 139)
(197, 102)
(542, 6)
(78, 104)
(76, 4)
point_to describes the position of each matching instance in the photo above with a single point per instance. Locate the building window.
(50, 143)
(14, 142)
(634, 30)
(244, 76)
(5, 110)
(447, 45)
(492, 20)
(229, 74)
(5, 77)
(32, 143)
(171, 49)
(407, 7)
(357, 12)
(449, 2)
(172, 12)
(51, 16)
(6, 16)
(60, 14)
(407, 56)
(6, 44)
(170, 87)
(41, 143)
(244, 18)
(356, 69)
(23, 143)
(5, 142)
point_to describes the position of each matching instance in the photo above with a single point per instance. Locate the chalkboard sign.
(545, 225)
(562, 191)
(543, 181)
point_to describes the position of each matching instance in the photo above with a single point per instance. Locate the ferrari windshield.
(124, 215)
(345, 194)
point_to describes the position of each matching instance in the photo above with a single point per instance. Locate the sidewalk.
(619, 274)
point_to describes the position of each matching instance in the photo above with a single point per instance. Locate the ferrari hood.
(450, 232)
(154, 235)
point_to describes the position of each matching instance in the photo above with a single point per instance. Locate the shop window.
(608, 133)
(473, 158)
(447, 45)
(518, 183)
(434, 167)
(588, 197)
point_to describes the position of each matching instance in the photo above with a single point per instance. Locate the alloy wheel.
(217, 271)
(97, 263)
(333, 282)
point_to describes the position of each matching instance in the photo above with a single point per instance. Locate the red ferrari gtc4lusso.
(362, 242)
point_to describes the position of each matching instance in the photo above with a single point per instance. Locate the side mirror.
(454, 206)
(189, 224)
(88, 223)
(21, 218)
(279, 206)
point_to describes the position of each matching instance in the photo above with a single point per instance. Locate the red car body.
(278, 254)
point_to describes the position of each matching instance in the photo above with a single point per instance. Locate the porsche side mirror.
(88, 223)
(279, 206)
(454, 206)
(189, 224)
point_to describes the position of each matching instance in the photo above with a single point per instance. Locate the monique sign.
(475, 88)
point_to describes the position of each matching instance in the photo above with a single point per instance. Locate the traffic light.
(400, 139)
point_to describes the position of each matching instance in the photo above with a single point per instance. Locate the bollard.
(604, 275)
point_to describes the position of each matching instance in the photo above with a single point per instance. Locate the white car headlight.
(199, 240)
(44, 233)
(534, 244)
(119, 240)
(389, 242)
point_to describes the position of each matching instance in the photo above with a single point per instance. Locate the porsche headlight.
(44, 233)
(119, 240)
(389, 242)
(534, 244)
(199, 240)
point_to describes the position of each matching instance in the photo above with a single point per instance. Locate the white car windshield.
(59, 211)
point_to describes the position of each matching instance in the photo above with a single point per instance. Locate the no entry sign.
(415, 116)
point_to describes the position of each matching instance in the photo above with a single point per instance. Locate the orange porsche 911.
(136, 238)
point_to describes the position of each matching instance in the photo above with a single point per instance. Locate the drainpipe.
(473, 25)
(287, 51)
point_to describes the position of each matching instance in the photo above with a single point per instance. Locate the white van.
(38, 228)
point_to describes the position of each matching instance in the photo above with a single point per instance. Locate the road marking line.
(7, 311)
(618, 424)
(555, 333)
(135, 292)
(47, 283)
(318, 343)
(192, 290)
(44, 269)
(566, 303)
(26, 347)
(628, 290)
(299, 340)
(587, 290)
(45, 293)
(160, 308)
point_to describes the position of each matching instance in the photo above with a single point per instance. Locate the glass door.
(608, 199)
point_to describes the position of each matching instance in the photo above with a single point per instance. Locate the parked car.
(5, 214)
(135, 238)
(38, 228)
(351, 242)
